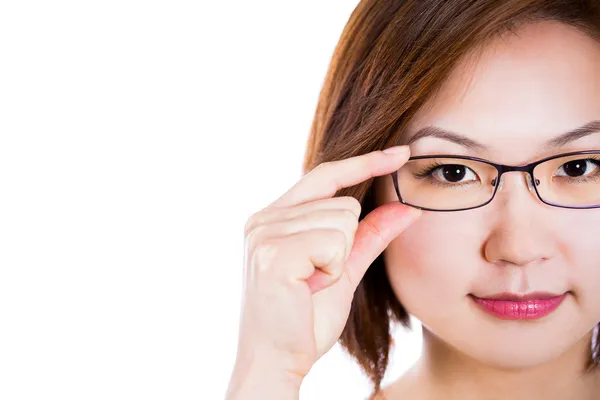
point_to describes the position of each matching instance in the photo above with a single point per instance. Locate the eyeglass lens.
(453, 183)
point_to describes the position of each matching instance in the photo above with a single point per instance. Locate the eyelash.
(427, 170)
(584, 179)
(426, 174)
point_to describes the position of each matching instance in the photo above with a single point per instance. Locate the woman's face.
(519, 94)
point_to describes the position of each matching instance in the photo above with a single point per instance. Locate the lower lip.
(520, 309)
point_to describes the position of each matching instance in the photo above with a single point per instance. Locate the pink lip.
(511, 306)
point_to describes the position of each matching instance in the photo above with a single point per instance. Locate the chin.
(512, 349)
(510, 345)
(515, 358)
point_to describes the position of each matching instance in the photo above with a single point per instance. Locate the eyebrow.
(561, 140)
(440, 133)
(578, 133)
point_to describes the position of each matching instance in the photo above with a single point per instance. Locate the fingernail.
(396, 150)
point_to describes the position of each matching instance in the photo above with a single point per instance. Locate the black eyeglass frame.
(502, 169)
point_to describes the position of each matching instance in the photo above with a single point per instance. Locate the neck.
(453, 375)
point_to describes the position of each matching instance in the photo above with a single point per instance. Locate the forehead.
(517, 93)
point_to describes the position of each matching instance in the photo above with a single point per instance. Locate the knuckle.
(251, 222)
(374, 230)
(322, 167)
(349, 216)
(354, 226)
(324, 164)
(263, 256)
(349, 203)
(330, 240)
(339, 245)
(354, 205)
(338, 239)
(254, 237)
(336, 270)
(348, 222)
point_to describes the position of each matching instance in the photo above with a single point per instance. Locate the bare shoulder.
(406, 387)
(383, 394)
(390, 393)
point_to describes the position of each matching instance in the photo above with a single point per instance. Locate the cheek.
(581, 247)
(435, 260)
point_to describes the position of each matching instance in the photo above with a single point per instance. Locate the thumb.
(374, 234)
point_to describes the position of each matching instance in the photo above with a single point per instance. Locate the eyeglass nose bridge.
(528, 170)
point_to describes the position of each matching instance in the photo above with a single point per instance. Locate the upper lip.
(517, 297)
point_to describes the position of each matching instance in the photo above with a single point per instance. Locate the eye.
(454, 173)
(578, 168)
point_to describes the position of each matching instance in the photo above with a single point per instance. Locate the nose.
(519, 234)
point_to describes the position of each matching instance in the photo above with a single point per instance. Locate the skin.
(520, 92)
(306, 252)
(305, 255)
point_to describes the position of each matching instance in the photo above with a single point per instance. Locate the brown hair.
(391, 58)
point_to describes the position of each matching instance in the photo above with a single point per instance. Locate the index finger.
(327, 178)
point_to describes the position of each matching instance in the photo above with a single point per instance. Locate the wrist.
(254, 379)
(262, 387)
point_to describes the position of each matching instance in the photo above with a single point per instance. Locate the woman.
(492, 244)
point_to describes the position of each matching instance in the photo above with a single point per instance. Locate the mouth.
(513, 306)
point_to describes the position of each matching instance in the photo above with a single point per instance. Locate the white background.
(136, 137)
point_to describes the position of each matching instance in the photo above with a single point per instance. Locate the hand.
(305, 255)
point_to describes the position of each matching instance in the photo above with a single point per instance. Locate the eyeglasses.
(457, 183)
